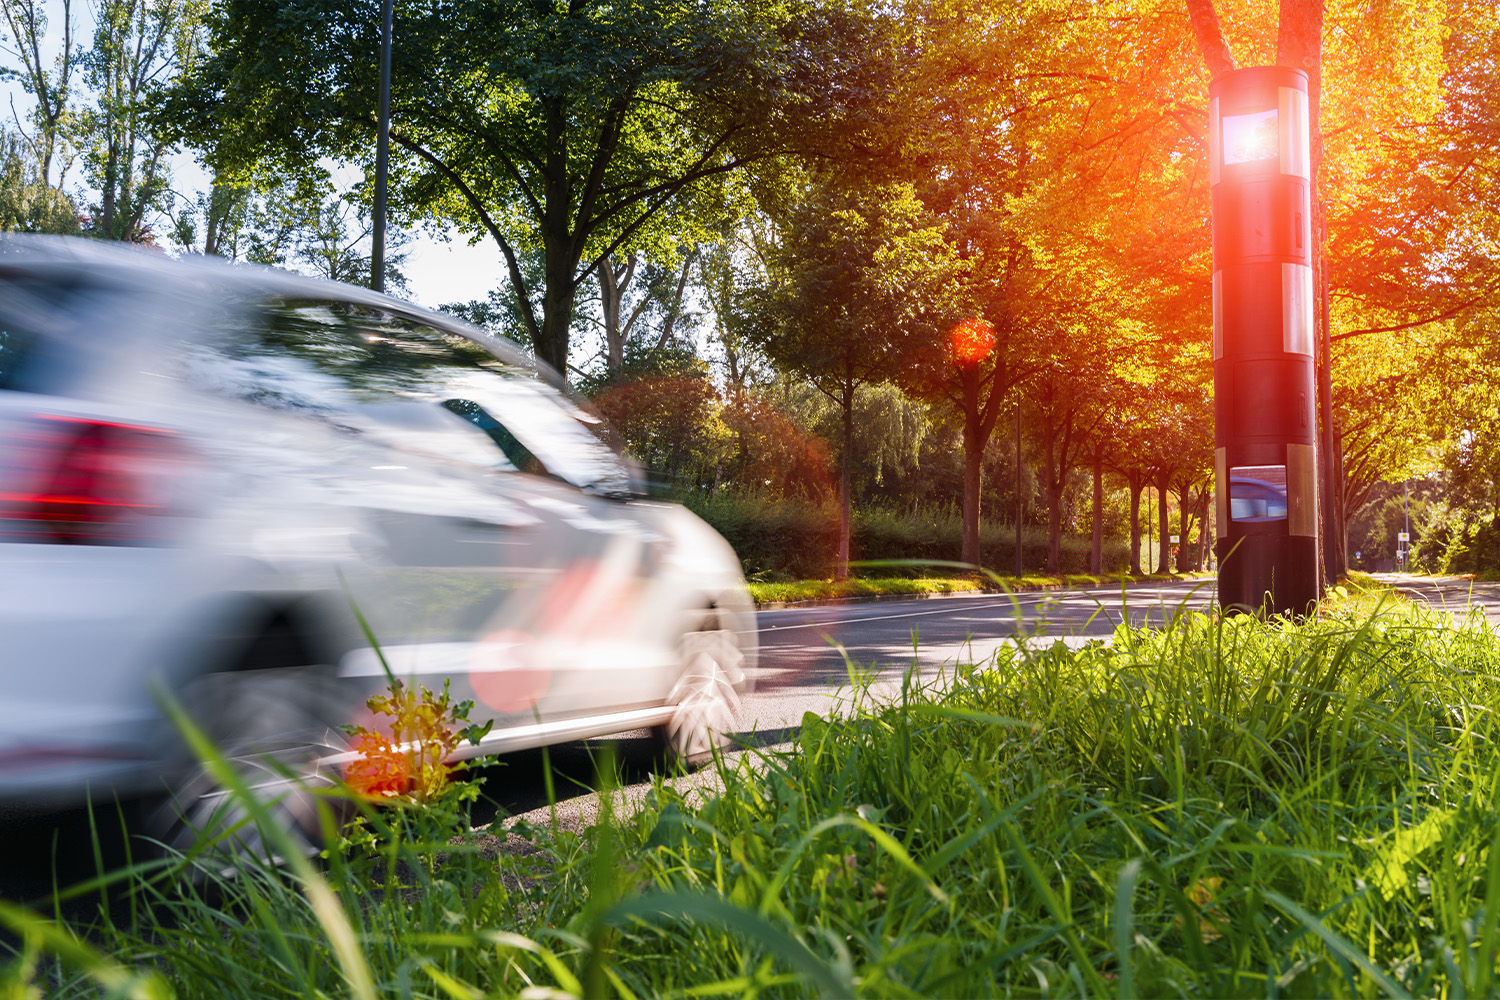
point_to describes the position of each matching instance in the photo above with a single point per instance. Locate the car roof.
(128, 264)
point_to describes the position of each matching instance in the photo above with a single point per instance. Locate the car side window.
(354, 365)
(536, 428)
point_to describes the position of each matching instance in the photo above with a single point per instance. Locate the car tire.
(706, 696)
(272, 726)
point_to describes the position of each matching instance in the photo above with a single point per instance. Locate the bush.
(780, 539)
(775, 538)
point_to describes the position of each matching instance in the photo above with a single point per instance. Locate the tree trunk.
(666, 327)
(612, 285)
(1096, 552)
(557, 312)
(212, 221)
(107, 208)
(1184, 526)
(1053, 492)
(1135, 526)
(1340, 508)
(1207, 530)
(1210, 35)
(846, 518)
(973, 469)
(561, 251)
(1163, 524)
(1054, 527)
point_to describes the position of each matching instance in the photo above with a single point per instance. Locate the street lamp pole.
(382, 152)
(1406, 505)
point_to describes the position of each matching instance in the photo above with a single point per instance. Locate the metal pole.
(382, 152)
(1406, 504)
(1018, 490)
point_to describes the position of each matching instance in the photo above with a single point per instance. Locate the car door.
(481, 566)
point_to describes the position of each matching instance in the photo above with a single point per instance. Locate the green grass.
(810, 590)
(821, 590)
(1223, 808)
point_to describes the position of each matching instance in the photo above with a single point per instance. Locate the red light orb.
(971, 341)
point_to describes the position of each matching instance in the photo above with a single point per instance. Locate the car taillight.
(67, 480)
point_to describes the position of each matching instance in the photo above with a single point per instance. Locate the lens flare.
(503, 675)
(971, 341)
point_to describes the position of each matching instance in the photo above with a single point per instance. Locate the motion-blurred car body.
(1256, 500)
(205, 469)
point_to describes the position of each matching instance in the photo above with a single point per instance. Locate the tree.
(1058, 400)
(657, 287)
(298, 226)
(565, 129)
(138, 46)
(668, 411)
(26, 21)
(733, 267)
(28, 204)
(861, 275)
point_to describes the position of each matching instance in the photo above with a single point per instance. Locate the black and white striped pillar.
(1265, 421)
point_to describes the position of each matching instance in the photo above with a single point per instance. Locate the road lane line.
(881, 618)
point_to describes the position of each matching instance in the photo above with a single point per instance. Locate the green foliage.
(570, 131)
(784, 539)
(884, 586)
(861, 275)
(28, 204)
(137, 46)
(775, 538)
(1373, 531)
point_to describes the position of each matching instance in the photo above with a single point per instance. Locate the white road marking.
(881, 618)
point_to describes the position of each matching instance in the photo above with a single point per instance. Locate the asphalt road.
(807, 653)
(1453, 593)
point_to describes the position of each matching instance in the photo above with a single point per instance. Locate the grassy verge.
(814, 590)
(1222, 809)
(823, 590)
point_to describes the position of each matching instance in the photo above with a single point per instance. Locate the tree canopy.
(573, 130)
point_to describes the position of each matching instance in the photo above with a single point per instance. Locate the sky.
(439, 272)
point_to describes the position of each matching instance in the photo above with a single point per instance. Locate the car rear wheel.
(706, 696)
(271, 726)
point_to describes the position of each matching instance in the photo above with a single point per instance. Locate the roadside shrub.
(775, 538)
(781, 539)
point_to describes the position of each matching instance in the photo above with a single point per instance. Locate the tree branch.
(1210, 35)
(528, 315)
(1449, 314)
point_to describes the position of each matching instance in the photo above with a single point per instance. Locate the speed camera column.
(1264, 418)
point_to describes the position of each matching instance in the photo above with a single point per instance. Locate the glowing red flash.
(971, 341)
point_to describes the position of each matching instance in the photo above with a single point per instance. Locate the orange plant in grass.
(406, 759)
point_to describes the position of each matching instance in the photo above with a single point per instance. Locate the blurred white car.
(204, 468)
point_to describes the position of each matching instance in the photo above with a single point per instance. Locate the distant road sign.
(1174, 539)
(1402, 536)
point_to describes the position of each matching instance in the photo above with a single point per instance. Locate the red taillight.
(87, 482)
